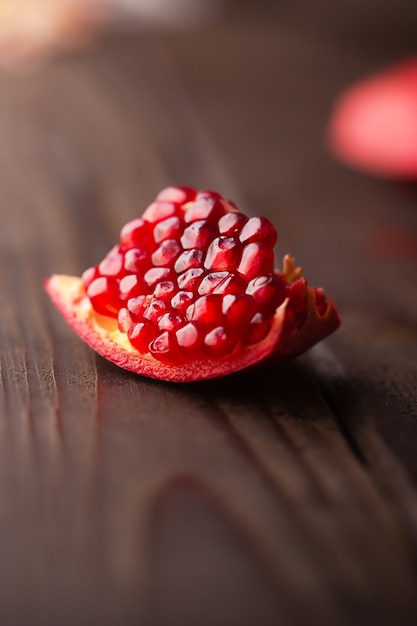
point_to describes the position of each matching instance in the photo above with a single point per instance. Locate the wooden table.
(286, 496)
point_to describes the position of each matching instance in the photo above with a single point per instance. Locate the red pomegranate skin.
(373, 125)
(190, 292)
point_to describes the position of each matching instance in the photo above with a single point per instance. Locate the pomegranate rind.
(284, 341)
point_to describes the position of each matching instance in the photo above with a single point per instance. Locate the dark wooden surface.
(286, 496)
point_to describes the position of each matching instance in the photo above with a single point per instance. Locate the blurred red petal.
(374, 123)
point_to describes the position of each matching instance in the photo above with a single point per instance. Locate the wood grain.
(282, 496)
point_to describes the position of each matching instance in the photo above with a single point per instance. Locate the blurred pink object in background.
(374, 123)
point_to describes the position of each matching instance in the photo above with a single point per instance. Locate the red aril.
(180, 195)
(231, 223)
(181, 301)
(134, 233)
(141, 334)
(167, 229)
(257, 260)
(223, 254)
(258, 229)
(220, 343)
(103, 293)
(190, 293)
(188, 340)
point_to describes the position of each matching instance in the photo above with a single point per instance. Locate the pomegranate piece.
(373, 125)
(190, 293)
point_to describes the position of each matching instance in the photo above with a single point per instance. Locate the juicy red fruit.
(193, 278)
(190, 292)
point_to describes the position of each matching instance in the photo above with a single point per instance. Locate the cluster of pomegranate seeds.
(192, 278)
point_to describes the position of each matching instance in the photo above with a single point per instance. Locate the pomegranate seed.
(154, 311)
(197, 235)
(258, 329)
(124, 320)
(211, 281)
(231, 207)
(257, 258)
(136, 306)
(112, 264)
(259, 229)
(231, 223)
(189, 280)
(188, 339)
(158, 211)
(182, 300)
(206, 311)
(89, 275)
(136, 260)
(234, 283)
(167, 229)
(179, 195)
(130, 286)
(188, 259)
(204, 208)
(170, 321)
(223, 254)
(218, 343)
(165, 290)
(140, 335)
(238, 310)
(104, 296)
(164, 348)
(268, 292)
(167, 252)
(134, 234)
(157, 275)
(208, 194)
